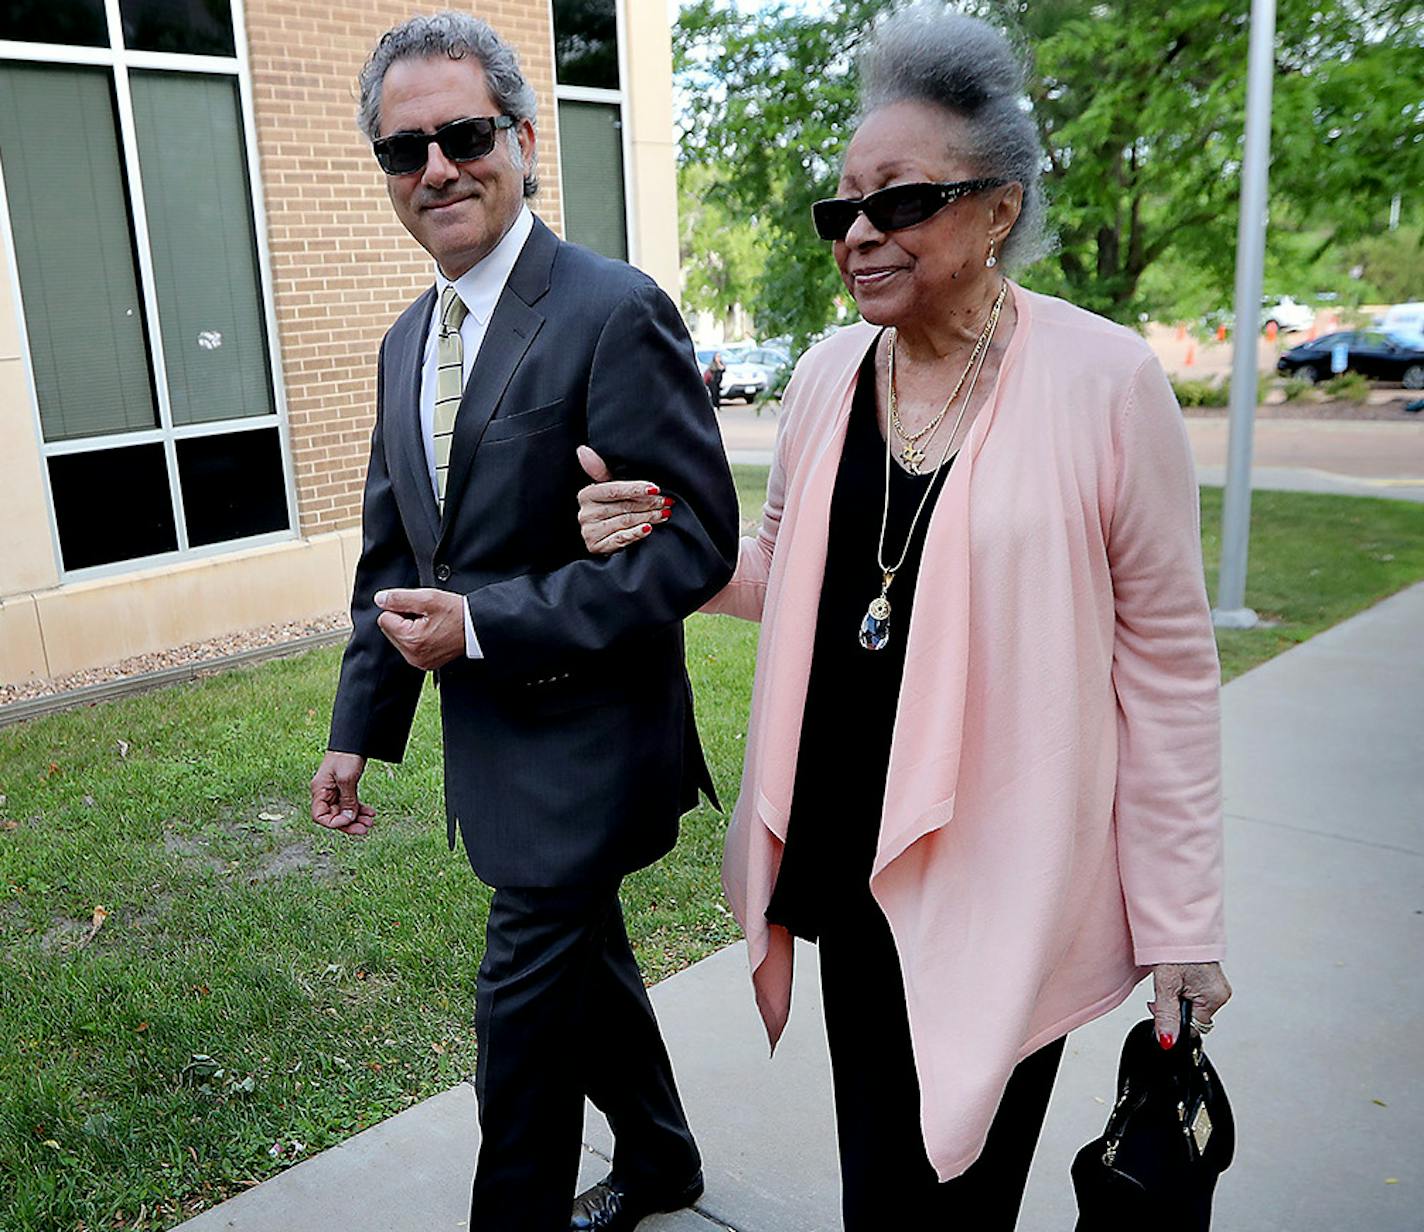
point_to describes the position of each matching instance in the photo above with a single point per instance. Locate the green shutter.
(591, 158)
(200, 232)
(69, 215)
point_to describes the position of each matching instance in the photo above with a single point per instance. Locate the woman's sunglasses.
(461, 141)
(890, 209)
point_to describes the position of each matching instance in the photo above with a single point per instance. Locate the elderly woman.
(987, 783)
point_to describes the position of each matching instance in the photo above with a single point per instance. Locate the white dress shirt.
(479, 288)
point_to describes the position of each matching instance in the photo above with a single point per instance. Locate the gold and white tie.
(449, 385)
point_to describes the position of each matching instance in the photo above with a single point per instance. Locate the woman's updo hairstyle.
(928, 53)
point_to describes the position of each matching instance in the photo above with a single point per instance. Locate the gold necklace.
(875, 627)
(913, 455)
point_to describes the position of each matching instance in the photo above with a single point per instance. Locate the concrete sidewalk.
(1320, 1049)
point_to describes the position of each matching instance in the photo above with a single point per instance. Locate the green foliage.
(1391, 264)
(1201, 393)
(1348, 387)
(722, 250)
(1295, 388)
(1141, 110)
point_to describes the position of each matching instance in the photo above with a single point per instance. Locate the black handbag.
(1169, 1137)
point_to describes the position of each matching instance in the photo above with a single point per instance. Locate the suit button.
(442, 573)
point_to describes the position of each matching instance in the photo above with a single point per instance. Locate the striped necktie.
(449, 385)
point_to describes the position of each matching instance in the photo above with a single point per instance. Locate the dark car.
(1370, 352)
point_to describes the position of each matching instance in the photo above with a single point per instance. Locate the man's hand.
(614, 515)
(427, 626)
(333, 792)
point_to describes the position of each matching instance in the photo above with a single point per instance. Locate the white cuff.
(472, 643)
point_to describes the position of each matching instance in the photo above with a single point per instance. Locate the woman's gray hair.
(929, 53)
(456, 35)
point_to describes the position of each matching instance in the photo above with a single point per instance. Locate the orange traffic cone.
(1272, 329)
(1221, 333)
(1191, 355)
(1181, 332)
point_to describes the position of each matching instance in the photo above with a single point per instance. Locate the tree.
(723, 255)
(1140, 105)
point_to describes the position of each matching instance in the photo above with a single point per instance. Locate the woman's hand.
(1203, 984)
(612, 514)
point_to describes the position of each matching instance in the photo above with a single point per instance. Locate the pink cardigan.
(1052, 819)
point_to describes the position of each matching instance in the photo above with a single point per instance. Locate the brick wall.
(342, 265)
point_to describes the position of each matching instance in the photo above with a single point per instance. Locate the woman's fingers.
(644, 495)
(1203, 984)
(619, 540)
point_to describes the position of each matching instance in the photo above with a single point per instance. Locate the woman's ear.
(1005, 211)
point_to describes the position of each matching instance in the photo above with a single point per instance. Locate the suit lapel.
(404, 361)
(511, 331)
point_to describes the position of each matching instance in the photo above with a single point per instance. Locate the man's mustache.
(430, 200)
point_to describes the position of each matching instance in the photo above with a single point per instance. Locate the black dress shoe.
(611, 1207)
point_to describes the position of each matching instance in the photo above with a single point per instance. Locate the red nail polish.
(653, 491)
(1166, 1041)
(645, 528)
(667, 512)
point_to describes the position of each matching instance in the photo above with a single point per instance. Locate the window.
(592, 140)
(144, 307)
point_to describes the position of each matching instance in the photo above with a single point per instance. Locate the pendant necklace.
(875, 627)
(912, 454)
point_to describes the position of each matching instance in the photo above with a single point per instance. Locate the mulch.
(1308, 408)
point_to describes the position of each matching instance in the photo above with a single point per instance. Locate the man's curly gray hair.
(456, 35)
(929, 53)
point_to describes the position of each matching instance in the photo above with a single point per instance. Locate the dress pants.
(887, 1181)
(560, 1013)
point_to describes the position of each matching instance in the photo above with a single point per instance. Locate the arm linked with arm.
(648, 415)
(745, 594)
(378, 690)
(1167, 681)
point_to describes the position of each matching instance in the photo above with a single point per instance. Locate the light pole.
(1231, 611)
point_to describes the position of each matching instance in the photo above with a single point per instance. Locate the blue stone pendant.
(875, 628)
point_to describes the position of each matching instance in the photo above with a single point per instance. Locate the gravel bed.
(181, 656)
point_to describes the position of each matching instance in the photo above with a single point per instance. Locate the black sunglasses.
(460, 141)
(890, 209)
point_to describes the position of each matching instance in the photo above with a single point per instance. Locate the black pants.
(887, 1181)
(560, 1013)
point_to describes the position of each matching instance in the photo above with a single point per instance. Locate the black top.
(853, 692)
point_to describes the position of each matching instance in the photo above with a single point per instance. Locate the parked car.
(772, 360)
(739, 380)
(1370, 352)
(1289, 316)
(743, 380)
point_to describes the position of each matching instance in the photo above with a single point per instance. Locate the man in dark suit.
(570, 747)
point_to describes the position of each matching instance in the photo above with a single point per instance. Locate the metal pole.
(1231, 610)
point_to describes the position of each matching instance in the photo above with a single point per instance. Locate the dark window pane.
(74, 249)
(586, 43)
(591, 158)
(112, 504)
(193, 27)
(55, 21)
(190, 147)
(232, 486)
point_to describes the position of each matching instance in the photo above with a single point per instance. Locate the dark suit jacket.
(570, 749)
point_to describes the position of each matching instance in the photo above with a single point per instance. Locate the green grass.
(339, 976)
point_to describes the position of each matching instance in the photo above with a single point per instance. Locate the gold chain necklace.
(913, 454)
(875, 627)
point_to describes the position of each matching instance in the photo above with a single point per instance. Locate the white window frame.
(619, 98)
(118, 61)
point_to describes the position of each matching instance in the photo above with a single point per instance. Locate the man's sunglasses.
(461, 141)
(890, 209)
